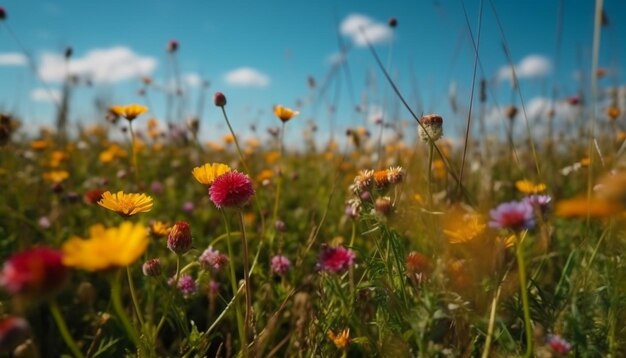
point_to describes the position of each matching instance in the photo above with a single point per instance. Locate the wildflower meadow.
(480, 225)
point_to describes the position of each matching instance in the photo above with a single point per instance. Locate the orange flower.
(341, 340)
(56, 176)
(613, 112)
(583, 207)
(528, 187)
(284, 113)
(129, 112)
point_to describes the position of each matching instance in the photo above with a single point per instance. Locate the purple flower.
(539, 201)
(335, 259)
(212, 259)
(280, 264)
(156, 187)
(515, 215)
(186, 285)
(559, 345)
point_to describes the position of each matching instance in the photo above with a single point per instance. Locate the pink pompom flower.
(335, 259)
(232, 189)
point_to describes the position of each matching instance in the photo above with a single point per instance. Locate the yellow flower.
(114, 151)
(265, 174)
(272, 156)
(126, 204)
(56, 157)
(229, 139)
(56, 176)
(129, 112)
(528, 187)
(40, 144)
(613, 112)
(106, 248)
(284, 113)
(159, 229)
(467, 229)
(207, 173)
(340, 340)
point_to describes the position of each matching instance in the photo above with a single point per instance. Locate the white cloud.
(192, 79)
(45, 95)
(362, 29)
(531, 66)
(336, 58)
(246, 77)
(100, 65)
(13, 59)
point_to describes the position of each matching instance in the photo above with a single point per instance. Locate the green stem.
(521, 265)
(133, 296)
(492, 321)
(170, 298)
(65, 333)
(246, 274)
(233, 282)
(431, 156)
(133, 151)
(116, 298)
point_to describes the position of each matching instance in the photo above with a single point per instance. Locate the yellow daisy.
(129, 112)
(106, 248)
(284, 113)
(126, 204)
(528, 187)
(207, 173)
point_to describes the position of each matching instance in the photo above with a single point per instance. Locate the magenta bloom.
(231, 189)
(35, 272)
(335, 259)
(212, 259)
(280, 264)
(515, 215)
(559, 345)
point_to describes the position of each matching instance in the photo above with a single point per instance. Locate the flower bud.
(383, 205)
(13, 332)
(3, 14)
(172, 46)
(511, 112)
(393, 22)
(179, 238)
(219, 99)
(431, 128)
(151, 267)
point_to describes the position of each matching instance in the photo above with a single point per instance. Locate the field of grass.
(135, 237)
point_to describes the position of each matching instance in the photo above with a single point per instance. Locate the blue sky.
(284, 42)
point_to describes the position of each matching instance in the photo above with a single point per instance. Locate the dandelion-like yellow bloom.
(129, 112)
(207, 173)
(56, 157)
(126, 204)
(106, 248)
(284, 113)
(528, 187)
(340, 340)
(114, 151)
(56, 176)
(467, 229)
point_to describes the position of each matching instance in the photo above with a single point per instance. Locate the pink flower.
(212, 259)
(335, 259)
(559, 345)
(186, 285)
(514, 215)
(35, 272)
(280, 264)
(231, 189)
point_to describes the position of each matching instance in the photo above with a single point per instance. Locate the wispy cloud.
(246, 77)
(531, 66)
(109, 65)
(13, 59)
(192, 79)
(45, 95)
(361, 29)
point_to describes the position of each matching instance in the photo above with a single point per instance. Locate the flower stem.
(116, 298)
(133, 296)
(431, 155)
(521, 265)
(65, 333)
(233, 282)
(492, 321)
(133, 151)
(246, 274)
(170, 298)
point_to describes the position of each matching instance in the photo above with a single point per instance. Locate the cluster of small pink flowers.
(212, 259)
(280, 264)
(335, 259)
